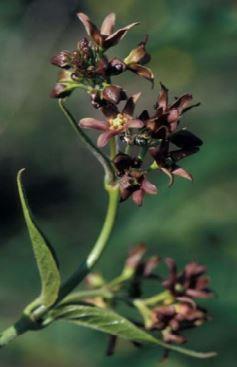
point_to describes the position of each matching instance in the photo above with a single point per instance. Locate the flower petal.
(91, 28)
(62, 59)
(114, 38)
(163, 98)
(108, 24)
(142, 71)
(104, 138)
(148, 187)
(144, 116)
(135, 123)
(90, 123)
(135, 256)
(173, 116)
(130, 105)
(181, 172)
(150, 265)
(138, 55)
(182, 102)
(61, 90)
(137, 197)
(114, 94)
(185, 139)
(109, 110)
(122, 162)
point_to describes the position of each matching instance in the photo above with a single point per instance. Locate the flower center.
(118, 122)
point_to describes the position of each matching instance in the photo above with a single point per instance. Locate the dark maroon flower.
(136, 262)
(63, 59)
(114, 94)
(116, 67)
(136, 60)
(116, 122)
(105, 37)
(191, 282)
(133, 181)
(167, 117)
(138, 269)
(171, 320)
(166, 160)
(64, 86)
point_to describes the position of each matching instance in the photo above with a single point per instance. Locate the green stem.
(91, 293)
(105, 162)
(113, 148)
(20, 327)
(161, 297)
(98, 248)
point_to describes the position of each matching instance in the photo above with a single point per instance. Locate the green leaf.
(44, 254)
(112, 323)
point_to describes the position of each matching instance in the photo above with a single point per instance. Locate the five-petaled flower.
(166, 160)
(191, 282)
(132, 179)
(172, 319)
(116, 122)
(105, 37)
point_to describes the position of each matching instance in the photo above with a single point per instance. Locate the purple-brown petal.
(142, 71)
(90, 123)
(114, 38)
(144, 116)
(150, 265)
(114, 94)
(163, 98)
(181, 172)
(62, 59)
(138, 55)
(135, 123)
(135, 256)
(138, 196)
(60, 90)
(130, 105)
(182, 102)
(122, 162)
(109, 110)
(179, 154)
(116, 66)
(195, 293)
(148, 187)
(91, 28)
(108, 24)
(173, 116)
(104, 138)
(194, 269)
(185, 139)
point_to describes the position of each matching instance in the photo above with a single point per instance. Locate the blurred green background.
(194, 49)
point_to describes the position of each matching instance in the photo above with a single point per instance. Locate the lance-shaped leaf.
(44, 254)
(112, 323)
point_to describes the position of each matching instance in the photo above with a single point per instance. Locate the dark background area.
(194, 49)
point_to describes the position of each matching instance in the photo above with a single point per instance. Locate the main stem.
(98, 248)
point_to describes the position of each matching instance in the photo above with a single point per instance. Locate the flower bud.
(62, 59)
(114, 94)
(116, 67)
(95, 280)
(138, 55)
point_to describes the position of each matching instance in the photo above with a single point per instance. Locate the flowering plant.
(139, 143)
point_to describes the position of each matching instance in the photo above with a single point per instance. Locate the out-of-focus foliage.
(194, 48)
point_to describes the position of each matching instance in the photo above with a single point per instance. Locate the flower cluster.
(142, 142)
(172, 310)
(88, 65)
